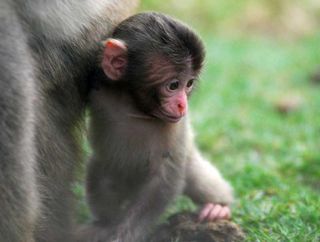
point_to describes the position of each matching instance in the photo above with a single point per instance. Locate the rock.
(183, 227)
(315, 77)
(288, 104)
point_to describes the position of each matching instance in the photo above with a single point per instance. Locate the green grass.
(272, 159)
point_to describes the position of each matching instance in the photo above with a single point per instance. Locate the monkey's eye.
(174, 85)
(190, 83)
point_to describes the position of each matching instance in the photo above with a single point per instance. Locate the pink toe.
(214, 212)
(205, 211)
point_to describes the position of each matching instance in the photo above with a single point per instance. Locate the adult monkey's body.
(45, 49)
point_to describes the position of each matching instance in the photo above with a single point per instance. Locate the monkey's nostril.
(181, 108)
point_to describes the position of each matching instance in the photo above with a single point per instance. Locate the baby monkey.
(143, 150)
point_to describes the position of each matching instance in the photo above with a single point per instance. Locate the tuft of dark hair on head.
(152, 33)
(188, 41)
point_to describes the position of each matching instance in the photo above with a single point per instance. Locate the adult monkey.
(45, 50)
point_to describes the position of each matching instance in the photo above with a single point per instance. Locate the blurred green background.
(257, 109)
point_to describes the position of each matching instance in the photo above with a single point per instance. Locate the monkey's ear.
(114, 61)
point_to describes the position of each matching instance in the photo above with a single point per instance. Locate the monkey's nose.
(181, 108)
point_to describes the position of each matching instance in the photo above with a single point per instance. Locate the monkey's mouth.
(173, 119)
(167, 117)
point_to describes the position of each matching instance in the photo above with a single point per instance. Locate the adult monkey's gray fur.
(45, 56)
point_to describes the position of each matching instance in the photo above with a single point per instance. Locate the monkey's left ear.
(114, 61)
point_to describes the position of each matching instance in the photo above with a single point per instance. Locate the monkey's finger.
(205, 211)
(214, 212)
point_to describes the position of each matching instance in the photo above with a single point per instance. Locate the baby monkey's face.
(172, 91)
(160, 88)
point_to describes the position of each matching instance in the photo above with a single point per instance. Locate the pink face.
(174, 99)
(173, 89)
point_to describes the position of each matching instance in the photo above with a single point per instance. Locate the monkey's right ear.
(114, 61)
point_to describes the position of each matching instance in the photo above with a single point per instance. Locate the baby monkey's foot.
(212, 212)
